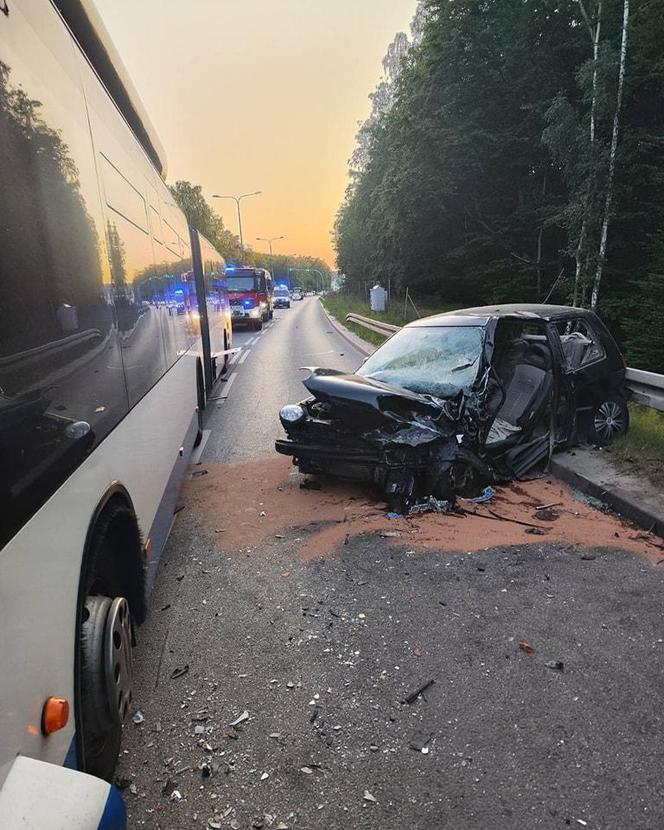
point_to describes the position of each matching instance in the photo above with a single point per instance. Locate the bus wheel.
(106, 680)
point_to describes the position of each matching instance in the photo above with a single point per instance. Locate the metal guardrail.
(378, 326)
(647, 388)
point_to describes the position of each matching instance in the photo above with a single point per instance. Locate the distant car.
(296, 294)
(281, 297)
(452, 402)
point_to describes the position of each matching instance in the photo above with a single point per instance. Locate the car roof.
(480, 315)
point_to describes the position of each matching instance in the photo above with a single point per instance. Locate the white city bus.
(102, 377)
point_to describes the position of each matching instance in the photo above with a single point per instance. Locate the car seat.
(575, 346)
(526, 395)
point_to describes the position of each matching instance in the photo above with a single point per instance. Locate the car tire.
(271, 314)
(258, 325)
(287, 305)
(609, 420)
(104, 655)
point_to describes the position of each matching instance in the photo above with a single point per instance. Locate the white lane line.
(198, 452)
(251, 341)
(233, 358)
(245, 355)
(223, 394)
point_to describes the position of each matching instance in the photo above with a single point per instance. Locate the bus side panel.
(62, 386)
(40, 566)
(97, 353)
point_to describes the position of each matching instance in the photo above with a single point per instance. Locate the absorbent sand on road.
(243, 504)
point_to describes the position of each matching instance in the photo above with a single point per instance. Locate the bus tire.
(113, 587)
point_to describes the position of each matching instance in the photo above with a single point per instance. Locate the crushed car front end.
(375, 426)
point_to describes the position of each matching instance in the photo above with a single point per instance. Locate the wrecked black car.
(453, 402)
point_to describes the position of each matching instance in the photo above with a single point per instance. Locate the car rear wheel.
(257, 325)
(610, 420)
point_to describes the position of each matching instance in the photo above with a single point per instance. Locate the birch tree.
(612, 158)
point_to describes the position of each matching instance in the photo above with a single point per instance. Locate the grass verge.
(339, 305)
(641, 451)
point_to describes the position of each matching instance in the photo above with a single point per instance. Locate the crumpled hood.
(333, 386)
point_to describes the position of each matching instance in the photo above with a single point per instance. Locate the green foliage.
(476, 180)
(201, 216)
(642, 449)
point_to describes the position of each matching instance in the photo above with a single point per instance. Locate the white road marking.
(223, 394)
(198, 452)
(233, 358)
(245, 355)
(317, 354)
(251, 341)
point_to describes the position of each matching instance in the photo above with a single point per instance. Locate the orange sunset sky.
(260, 95)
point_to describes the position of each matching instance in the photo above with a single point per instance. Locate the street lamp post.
(315, 271)
(269, 240)
(237, 200)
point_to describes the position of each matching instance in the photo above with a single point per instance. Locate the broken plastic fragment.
(240, 719)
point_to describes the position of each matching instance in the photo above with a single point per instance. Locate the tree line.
(515, 153)
(309, 273)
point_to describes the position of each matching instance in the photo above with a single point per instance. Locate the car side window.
(581, 345)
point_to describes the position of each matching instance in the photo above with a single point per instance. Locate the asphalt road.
(322, 654)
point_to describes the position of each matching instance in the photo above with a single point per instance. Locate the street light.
(315, 271)
(237, 200)
(269, 240)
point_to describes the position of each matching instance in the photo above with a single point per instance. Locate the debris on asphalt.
(526, 647)
(133, 789)
(420, 742)
(536, 531)
(549, 506)
(546, 514)
(368, 797)
(199, 473)
(240, 719)
(176, 795)
(307, 770)
(588, 557)
(389, 534)
(265, 776)
(180, 672)
(488, 494)
(413, 696)
(555, 665)
(515, 521)
(138, 717)
(430, 505)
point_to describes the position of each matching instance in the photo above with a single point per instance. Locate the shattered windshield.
(436, 361)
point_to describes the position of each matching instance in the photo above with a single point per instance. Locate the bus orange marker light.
(147, 547)
(55, 714)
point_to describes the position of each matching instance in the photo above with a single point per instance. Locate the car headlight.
(292, 413)
(263, 305)
(255, 312)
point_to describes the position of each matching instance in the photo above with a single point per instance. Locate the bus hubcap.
(117, 658)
